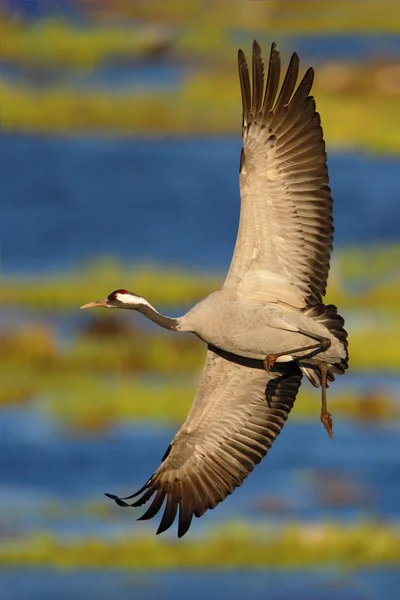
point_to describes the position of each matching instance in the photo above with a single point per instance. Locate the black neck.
(156, 317)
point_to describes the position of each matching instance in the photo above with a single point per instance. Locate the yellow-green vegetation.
(81, 383)
(91, 405)
(92, 402)
(373, 270)
(166, 287)
(205, 104)
(60, 43)
(133, 351)
(206, 101)
(363, 544)
(279, 16)
(113, 369)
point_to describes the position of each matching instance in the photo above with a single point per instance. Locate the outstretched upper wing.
(238, 411)
(285, 235)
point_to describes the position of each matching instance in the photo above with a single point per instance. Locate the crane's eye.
(114, 295)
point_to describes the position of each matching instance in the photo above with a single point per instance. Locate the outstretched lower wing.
(238, 411)
(285, 235)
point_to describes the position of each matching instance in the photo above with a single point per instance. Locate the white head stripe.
(131, 299)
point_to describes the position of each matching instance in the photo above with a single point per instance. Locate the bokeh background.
(119, 151)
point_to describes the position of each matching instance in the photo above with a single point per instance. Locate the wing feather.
(274, 71)
(285, 236)
(258, 79)
(289, 82)
(238, 412)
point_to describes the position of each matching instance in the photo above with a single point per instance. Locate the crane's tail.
(329, 317)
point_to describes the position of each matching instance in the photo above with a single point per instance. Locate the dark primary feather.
(244, 84)
(238, 412)
(258, 78)
(274, 71)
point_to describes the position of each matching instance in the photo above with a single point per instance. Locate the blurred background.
(119, 152)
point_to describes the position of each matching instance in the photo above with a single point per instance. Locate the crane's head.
(118, 299)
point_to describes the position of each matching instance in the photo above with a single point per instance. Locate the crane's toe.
(269, 361)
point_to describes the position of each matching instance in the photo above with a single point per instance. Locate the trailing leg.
(326, 417)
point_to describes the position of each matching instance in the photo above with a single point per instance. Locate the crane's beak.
(103, 303)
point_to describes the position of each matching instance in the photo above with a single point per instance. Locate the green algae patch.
(299, 545)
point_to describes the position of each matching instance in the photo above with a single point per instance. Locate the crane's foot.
(326, 420)
(269, 361)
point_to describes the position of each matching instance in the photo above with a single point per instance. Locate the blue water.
(68, 200)
(165, 201)
(235, 585)
(133, 77)
(346, 47)
(49, 480)
(40, 461)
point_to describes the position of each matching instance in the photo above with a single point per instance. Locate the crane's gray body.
(254, 330)
(274, 288)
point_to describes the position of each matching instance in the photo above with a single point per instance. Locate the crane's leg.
(326, 417)
(322, 345)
